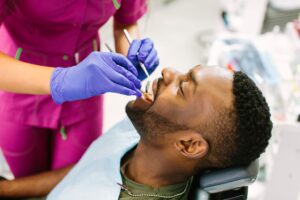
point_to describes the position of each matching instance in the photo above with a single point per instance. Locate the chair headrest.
(219, 180)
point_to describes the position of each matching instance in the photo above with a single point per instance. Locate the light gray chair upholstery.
(228, 183)
(227, 179)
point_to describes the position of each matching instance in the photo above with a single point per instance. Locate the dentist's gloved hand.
(143, 51)
(97, 74)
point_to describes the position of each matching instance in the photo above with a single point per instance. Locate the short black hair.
(243, 131)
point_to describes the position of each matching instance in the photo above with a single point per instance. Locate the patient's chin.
(136, 113)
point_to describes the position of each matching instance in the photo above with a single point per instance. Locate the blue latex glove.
(97, 74)
(143, 51)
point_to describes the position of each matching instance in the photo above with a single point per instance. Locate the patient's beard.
(151, 125)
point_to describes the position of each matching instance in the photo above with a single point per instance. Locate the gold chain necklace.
(123, 187)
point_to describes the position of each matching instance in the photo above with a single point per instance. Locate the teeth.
(150, 90)
(147, 86)
(148, 97)
(149, 94)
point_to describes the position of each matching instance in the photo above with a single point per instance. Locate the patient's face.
(182, 100)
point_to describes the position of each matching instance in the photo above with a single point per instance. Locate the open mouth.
(147, 99)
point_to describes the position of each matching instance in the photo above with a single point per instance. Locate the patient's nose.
(169, 75)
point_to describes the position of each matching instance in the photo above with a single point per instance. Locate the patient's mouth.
(145, 101)
(148, 96)
(155, 87)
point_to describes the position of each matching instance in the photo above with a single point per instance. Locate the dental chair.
(225, 184)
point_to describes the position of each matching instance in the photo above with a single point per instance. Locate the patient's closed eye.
(183, 87)
(180, 88)
(184, 84)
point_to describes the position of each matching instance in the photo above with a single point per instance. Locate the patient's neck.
(147, 166)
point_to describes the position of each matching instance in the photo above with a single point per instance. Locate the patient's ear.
(192, 145)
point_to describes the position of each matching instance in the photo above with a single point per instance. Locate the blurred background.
(259, 37)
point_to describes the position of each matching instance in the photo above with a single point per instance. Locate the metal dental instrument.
(141, 64)
(110, 50)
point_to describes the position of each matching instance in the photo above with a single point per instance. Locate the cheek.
(172, 109)
(165, 105)
(186, 113)
(164, 145)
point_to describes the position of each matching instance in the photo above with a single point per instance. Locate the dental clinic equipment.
(249, 56)
(141, 64)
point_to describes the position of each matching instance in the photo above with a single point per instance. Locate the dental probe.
(110, 50)
(141, 64)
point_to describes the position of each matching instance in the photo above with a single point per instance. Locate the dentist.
(58, 49)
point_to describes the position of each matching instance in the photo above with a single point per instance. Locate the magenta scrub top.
(56, 33)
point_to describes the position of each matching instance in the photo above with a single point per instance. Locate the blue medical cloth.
(98, 172)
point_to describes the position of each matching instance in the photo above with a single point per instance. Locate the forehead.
(211, 73)
(214, 82)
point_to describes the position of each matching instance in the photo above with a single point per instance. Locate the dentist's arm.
(21, 77)
(99, 73)
(121, 43)
(32, 186)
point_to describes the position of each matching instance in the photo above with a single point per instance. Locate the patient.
(207, 118)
